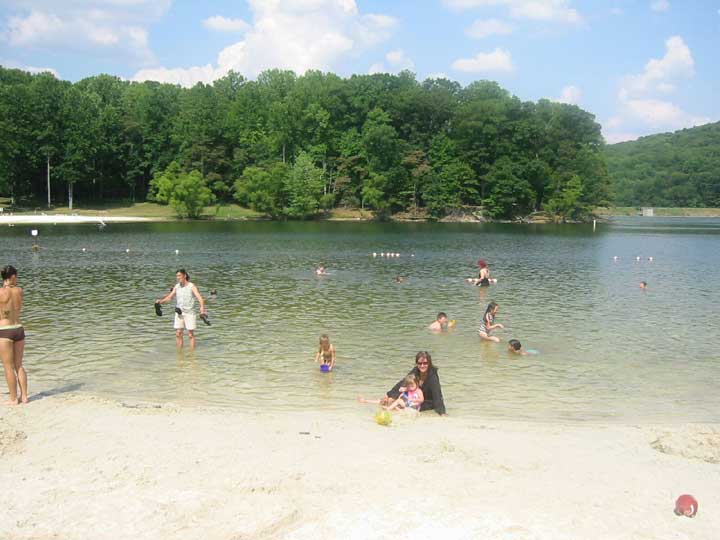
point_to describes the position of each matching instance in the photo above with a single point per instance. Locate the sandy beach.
(55, 219)
(79, 467)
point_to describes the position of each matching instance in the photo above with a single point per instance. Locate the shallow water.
(608, 350)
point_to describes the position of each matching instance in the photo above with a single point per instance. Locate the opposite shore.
(150, 212)
(74, 465)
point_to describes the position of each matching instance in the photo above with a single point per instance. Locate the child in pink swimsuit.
(411, 397)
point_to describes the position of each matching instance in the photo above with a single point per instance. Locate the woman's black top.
(431, 390)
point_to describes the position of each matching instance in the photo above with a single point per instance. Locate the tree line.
(680, 169)
(294, 146)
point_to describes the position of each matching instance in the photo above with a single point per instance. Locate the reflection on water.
(608, 350)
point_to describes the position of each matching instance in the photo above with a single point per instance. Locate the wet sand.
(78, 467)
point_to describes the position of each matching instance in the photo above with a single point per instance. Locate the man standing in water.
(185, 318)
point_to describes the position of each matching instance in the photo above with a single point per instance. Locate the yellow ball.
(383, 418)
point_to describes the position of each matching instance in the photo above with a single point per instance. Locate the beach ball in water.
(686, 505)
(383, 418)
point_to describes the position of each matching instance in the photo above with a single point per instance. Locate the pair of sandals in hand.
(158, 312)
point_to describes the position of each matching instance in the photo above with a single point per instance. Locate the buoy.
(382, 254)
(374, 254)
(177, 252)
(686, 505)
(637, 258)
(127, 250)
(615, 258)
(34, 232)
(84, 250)
(650, 259)
(397, 254)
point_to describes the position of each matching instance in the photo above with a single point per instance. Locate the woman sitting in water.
(483, 279)
(427, 377)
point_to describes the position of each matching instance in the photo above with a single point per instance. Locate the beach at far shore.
(79, 467)
(55, 219)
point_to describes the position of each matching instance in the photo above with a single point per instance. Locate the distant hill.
(669, 169)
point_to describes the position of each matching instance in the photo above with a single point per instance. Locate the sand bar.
(78, 467)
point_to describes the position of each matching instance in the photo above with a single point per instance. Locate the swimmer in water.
(488, 323)
(320, 271)
(326, 352)
(515, 347)
(399, 279)
(643, 284)
(440, 324)
(483, 279)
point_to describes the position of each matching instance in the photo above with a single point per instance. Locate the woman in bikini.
(12, 336)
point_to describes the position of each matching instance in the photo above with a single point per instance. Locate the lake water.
(609, 351)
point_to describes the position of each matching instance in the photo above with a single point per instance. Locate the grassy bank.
(659, 212)
(142, 210)
(163, 212)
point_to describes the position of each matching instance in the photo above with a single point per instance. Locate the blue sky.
(641, 66)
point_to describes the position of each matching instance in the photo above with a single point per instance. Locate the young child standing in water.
(487, 324)
(326, 352)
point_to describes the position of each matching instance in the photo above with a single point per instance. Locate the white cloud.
(102, 26)
(290, 34)
(482, 28)
(659, 114)
(642, 104)
(613, 138)
(399, 60)
(570, 94)
(677, 64)
(498, 60)
(660, 5)
(184, 77)
(31, 69)
(539, 10)
(376, 68)
(224, 24)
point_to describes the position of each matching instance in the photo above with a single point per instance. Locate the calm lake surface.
(609, 351)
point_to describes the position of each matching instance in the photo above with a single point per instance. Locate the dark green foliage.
(294, 146)
(670, 169)
(186, 192)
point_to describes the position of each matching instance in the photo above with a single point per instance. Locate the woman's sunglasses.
(424, 363)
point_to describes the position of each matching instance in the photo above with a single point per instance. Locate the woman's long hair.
(424, 355)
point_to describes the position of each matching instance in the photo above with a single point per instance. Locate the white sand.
(74, 467)
(54, 219)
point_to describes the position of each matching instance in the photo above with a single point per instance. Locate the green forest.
(294, 146)
(670, 169)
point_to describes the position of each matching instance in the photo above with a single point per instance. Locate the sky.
(640, 66)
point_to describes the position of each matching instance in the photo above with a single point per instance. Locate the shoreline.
(56, 219)
(74, 465)
(65, 219)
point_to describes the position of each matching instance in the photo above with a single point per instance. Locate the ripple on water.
(608, 351)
